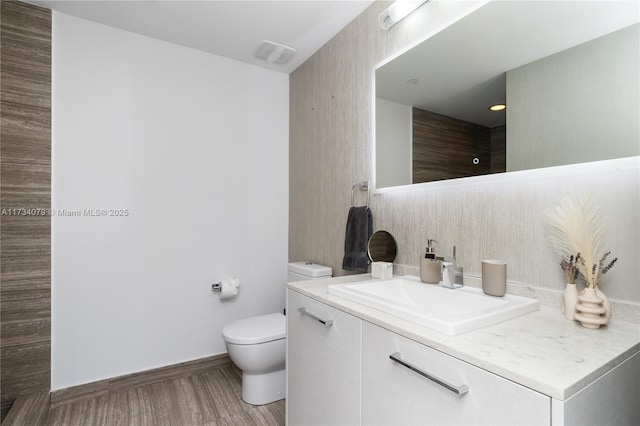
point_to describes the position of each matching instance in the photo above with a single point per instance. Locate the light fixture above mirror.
(398, 11)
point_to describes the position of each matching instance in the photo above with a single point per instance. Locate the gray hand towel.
(359, 230)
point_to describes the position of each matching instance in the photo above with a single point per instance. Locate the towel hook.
(364, 186)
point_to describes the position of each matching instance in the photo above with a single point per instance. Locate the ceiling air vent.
(275, 53)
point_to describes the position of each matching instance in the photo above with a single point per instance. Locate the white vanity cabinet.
(457, 393)
(610, 400)
(342, 369)
(323, 364)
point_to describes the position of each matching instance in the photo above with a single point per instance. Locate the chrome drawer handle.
(458, 390)
(326, 323)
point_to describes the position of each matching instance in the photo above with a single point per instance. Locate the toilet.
(257, 345)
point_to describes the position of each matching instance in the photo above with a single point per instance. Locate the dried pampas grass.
(575, 226)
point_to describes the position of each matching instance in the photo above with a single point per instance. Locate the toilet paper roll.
(229, 288)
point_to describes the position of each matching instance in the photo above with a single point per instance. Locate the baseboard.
(103, 387)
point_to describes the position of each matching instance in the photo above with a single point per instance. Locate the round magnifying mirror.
(382, 247)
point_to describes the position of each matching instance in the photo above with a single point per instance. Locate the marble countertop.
(540, 350)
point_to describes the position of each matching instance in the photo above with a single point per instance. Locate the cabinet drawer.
(323, 364)
(395, 394)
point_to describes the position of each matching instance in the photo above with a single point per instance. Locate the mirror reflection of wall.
(415, 146)
(393, 143)
(572, 94)
(447, 148)
(576, 106)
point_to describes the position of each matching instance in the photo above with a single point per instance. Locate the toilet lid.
(260, 329)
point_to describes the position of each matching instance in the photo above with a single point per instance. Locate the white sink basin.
(445, 310)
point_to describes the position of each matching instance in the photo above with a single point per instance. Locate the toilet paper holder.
(226, 289)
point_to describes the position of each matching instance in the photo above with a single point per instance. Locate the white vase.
(569, 301)
(591, 313)
(605, 301)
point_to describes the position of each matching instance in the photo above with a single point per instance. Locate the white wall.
(394, 144)
(195, 146)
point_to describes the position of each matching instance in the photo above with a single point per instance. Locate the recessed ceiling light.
(498, 107)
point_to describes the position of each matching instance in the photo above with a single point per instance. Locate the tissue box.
(382, 270)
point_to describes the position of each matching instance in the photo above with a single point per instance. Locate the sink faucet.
(452, 274)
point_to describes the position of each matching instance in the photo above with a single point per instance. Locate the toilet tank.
(300, 271)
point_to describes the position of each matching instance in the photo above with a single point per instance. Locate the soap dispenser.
(430, 268)
(429, 251)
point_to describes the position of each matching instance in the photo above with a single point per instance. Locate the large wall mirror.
(567, 71)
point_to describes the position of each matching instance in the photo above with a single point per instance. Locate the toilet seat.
(254, 330)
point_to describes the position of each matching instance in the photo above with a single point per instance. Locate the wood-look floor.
(211, 397)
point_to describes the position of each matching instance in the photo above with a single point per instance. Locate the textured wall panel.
(497, 216)
(25, 304)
